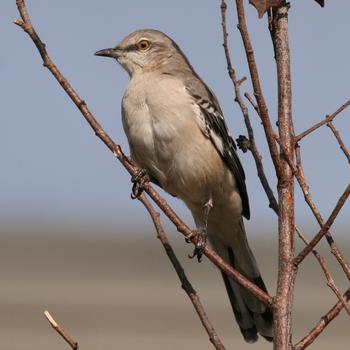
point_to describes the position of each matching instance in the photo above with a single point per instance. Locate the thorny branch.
(185, 283)
(73, 344)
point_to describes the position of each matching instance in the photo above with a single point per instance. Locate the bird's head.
(143, 50)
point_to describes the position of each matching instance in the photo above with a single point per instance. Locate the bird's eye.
(143, 45)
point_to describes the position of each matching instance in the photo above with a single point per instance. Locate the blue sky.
(53, 167)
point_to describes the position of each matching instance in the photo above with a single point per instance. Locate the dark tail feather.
(261, 322)
(249, 333)
(253, 317)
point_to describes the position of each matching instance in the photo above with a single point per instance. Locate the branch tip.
(50, 319)
(18, 22)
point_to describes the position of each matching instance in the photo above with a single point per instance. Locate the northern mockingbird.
(178, 135)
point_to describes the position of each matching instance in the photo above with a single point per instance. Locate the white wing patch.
(202, 121)
(217, 140)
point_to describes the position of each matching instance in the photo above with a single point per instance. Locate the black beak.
(114, 53)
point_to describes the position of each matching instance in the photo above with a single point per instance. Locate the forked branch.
(322, 324)
(328, 119)
(325, 228)
(330, 280)
(299, 174)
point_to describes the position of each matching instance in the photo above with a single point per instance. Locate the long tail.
(252, 316)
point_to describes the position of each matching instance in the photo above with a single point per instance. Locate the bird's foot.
(139, 180)
(201, 242)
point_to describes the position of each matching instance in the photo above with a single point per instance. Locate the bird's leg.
(139, 179)
(201, 233)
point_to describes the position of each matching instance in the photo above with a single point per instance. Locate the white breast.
(162, 126)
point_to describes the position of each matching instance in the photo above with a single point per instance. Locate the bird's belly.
(195, 168)
(178, 155)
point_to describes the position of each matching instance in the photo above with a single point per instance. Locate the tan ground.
(118, 293)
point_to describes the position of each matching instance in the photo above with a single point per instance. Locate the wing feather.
(216, 129)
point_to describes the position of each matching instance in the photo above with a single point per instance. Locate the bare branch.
(264, 113)
(299, 174)
(231, 71)
(322, 324)
(238, 98)
(330, 280)
(185, 283)
(328, 119)
(325, 228)
(252, 102)
(340, 141)
(73, 344)
(286, 224)
(99, 131)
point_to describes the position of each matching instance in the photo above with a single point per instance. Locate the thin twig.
(330, 280)
(340, 141)
(299, 174)
(252, 102)
(329, 118)
(185, 283)
(325, 228)
(322, 324)
(254, 74)
(238, 98)
(73, 344)
(26, 25)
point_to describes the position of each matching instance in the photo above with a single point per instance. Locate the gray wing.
(216, 129)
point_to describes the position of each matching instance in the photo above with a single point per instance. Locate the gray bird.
(178, 136)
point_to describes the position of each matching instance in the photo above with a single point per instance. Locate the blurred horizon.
(112, 291)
